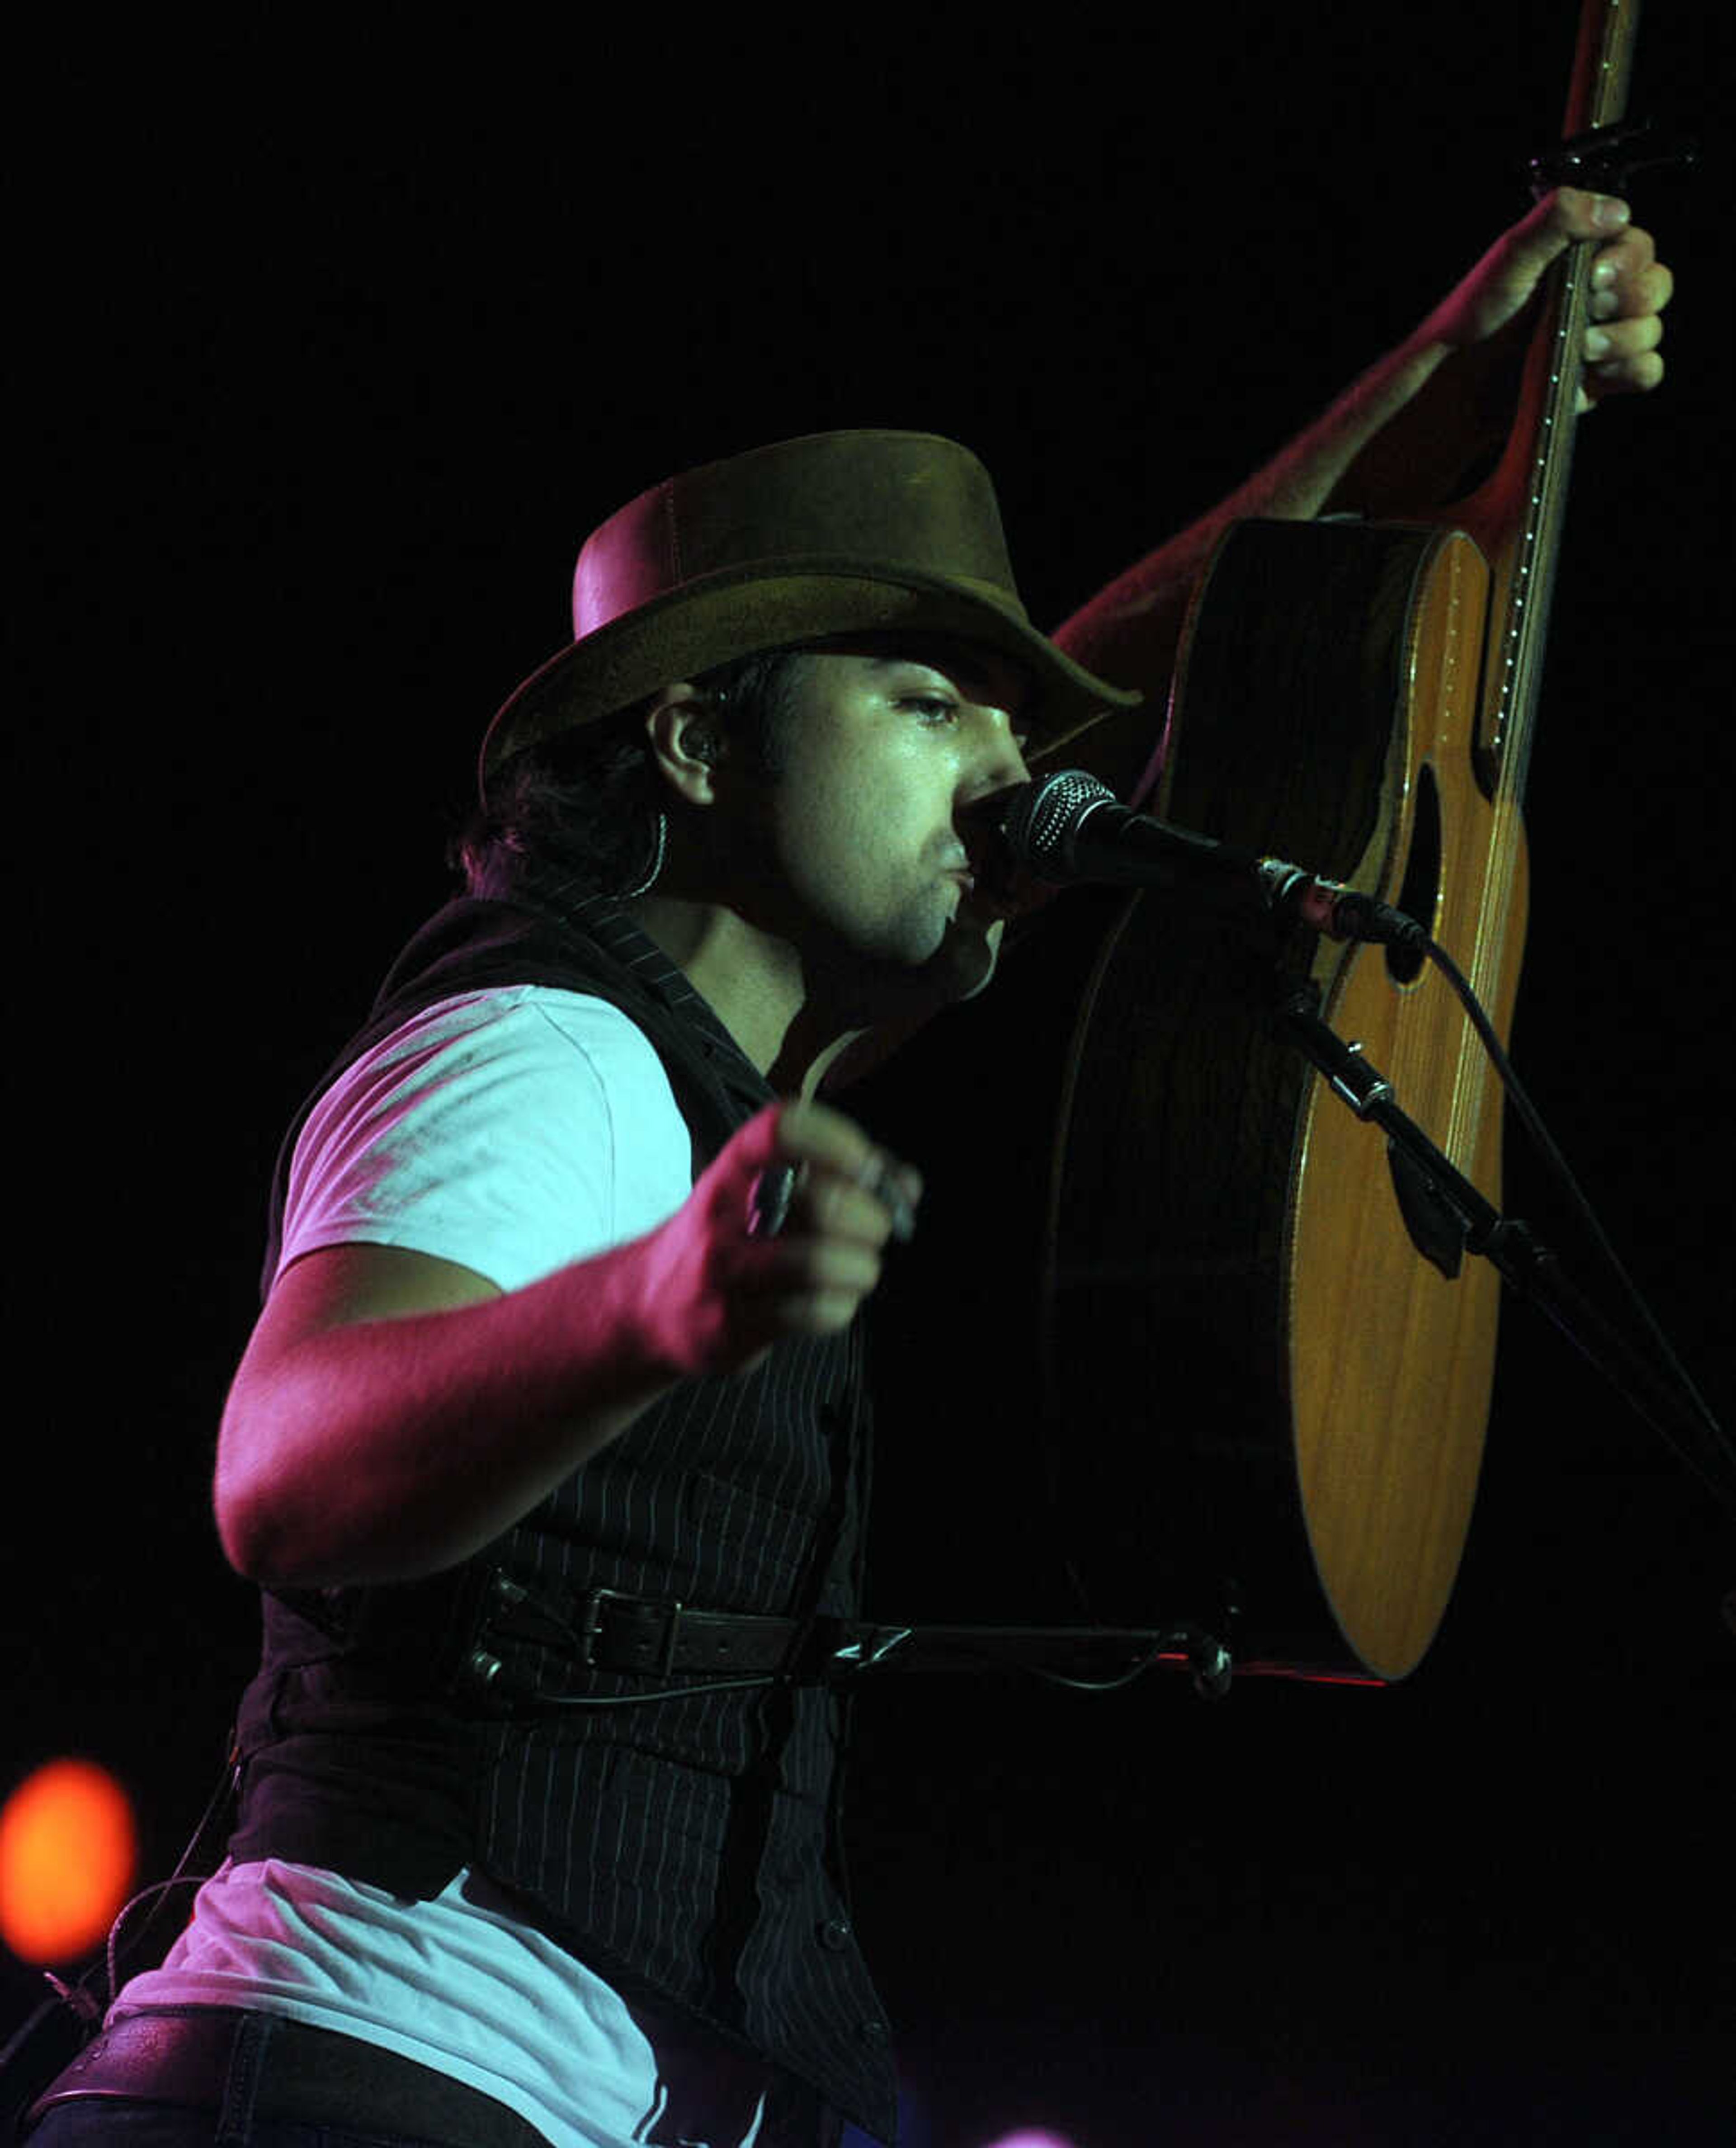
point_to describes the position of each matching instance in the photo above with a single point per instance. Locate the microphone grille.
(1040, 818)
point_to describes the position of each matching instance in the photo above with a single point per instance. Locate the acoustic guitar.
(1253, 1371)
(1212, 1203)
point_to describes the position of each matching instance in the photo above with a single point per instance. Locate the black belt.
(642, 1634)
(216, 2058)
(639, 1634)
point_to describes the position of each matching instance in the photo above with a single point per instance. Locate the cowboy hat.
(829, 534)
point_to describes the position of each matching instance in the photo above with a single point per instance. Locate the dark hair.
(576, 814)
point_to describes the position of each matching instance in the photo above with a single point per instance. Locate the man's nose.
(999, 764)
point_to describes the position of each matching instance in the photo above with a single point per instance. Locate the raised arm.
(1400, 440)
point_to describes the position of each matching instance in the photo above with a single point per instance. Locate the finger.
(817, 1285)
(1617, 340)
(771, 1152)
(757, 1145)
(1644, 288)
(1654, 289)
(814, 1133)
(898, 1188)
(822, 1314)
(1573, 212)
(1629, 255)
(1558, 221)
(827, 1144)
(1625, 376)
(828, 1207)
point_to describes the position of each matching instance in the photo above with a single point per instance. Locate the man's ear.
(681, 724)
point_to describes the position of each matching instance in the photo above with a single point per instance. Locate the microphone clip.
(1340, 912)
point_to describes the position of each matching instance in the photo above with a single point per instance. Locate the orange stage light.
(67, 1850)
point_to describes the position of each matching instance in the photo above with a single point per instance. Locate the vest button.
(873, 2030)
(835, 1932)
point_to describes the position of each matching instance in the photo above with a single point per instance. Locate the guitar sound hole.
(1420, 895)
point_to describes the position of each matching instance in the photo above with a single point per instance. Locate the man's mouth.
(992, 880)
(983, 900)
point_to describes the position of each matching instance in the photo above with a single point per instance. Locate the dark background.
(335, 344)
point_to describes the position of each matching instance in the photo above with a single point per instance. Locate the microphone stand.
(1531, 1268)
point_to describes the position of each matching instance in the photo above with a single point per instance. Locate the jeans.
(258, 2082)
(106, 2125)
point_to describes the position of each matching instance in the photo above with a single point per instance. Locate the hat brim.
(719, 618)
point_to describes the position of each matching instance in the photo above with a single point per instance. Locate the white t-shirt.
(512, 1131)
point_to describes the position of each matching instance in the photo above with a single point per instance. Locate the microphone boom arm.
(1508, 1242)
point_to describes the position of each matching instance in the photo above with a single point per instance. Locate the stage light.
(1028, 2137)
(68, 1849)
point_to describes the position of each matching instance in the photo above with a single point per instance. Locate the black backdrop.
(334, 343)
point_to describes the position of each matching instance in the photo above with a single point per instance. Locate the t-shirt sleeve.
(512, 1131)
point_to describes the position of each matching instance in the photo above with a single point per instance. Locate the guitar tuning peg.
(1605, 158)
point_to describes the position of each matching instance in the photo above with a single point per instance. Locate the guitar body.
(1265, 1391)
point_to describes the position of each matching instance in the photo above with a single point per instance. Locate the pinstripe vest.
(683, 1848)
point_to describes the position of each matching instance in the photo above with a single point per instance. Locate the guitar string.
(1539, 541)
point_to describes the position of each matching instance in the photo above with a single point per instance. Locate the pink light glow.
(1025, 2138)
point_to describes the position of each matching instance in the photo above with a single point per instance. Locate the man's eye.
(933, 707)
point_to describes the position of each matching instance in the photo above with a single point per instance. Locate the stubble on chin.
(908, 993)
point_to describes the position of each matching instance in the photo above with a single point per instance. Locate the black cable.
(662, 1692)
(1532, 1119)
(180, 1877)
(52, 2035)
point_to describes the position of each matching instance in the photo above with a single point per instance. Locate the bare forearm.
(395, 1413)
(1129, 630)
(1411, 436)
(387, 1448)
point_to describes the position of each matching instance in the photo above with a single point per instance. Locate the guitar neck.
(1518, 515)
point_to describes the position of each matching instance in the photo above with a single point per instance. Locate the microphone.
(1071, 828)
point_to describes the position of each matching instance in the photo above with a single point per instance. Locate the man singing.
(549, 1451)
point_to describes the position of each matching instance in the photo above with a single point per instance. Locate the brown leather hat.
(837, 532)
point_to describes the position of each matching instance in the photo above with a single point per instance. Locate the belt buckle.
(590, 1628)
